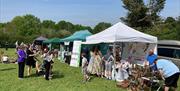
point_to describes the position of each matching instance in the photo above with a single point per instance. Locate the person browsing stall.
(108, 58)
(84, 68)
(151, 58)
(169, 72)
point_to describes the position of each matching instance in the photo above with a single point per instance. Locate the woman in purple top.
(21, 61)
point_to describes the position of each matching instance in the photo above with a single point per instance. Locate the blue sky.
(85, 12)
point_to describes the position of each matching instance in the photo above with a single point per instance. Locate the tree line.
(28, 27)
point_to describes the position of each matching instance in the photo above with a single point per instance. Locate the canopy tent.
(120, 33)
(130, 39)
(52, 41)
(74, 46)
(79, 35)
(39, 40)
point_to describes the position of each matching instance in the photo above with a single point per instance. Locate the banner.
(136, 52)
(61, 53)
(76, 52)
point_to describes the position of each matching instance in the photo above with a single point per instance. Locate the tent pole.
(121, 50)
(51, 46)
(42, 45)
(114, 53)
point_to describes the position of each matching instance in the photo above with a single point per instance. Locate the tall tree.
(154, 8)
(141, 15)
(101, 26)
(136, 13)
(26, 25)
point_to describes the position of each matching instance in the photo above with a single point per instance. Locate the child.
(84, 68)
(47, 63)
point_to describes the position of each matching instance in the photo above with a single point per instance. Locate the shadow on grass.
(7, 69)
(57, 75)
(32, 75)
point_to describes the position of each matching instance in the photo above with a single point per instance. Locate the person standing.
(47, 62)
(91, 63)
(97, 61)
(108, 58)
(151, 58)
(169, 72)
(30, 62)
(84, 68)
(21, 61)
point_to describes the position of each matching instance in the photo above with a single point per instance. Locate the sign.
(66, 43)
(61, 53)
(76, 52)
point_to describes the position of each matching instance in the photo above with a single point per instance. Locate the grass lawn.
(65, 78)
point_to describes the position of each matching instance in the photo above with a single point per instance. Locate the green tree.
(136, 13)
(178, 27)
(101, 26)
(2, 26)
(78, 27)
(178, 31)
(170, 20)
(32, 24)
(48, 24)
(63, 25)
(26, 25)
(141, 15)
(154, 8)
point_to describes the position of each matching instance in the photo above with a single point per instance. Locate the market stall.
(52, 41)
(134, 47)
(73, 47)
(39, 40)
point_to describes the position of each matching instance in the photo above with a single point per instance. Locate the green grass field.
(65, 78)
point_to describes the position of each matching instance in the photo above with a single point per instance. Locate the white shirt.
(47, 57)
(4, 58)
(84, 62)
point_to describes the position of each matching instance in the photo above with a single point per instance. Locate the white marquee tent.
(120, 33)
(135, 42)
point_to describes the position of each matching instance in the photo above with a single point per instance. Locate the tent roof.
(52, 40)
(79, 35)
(40, 38)
(120, 33)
